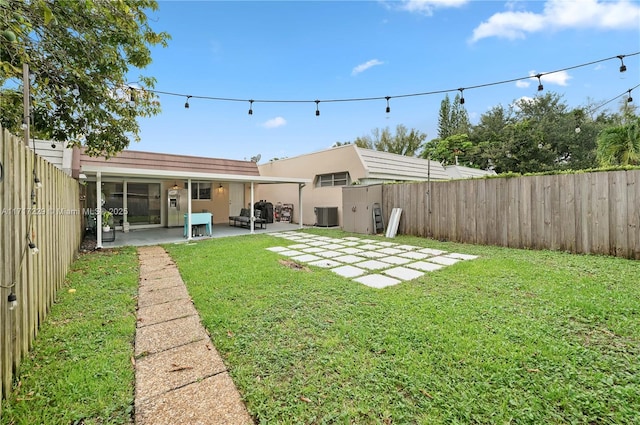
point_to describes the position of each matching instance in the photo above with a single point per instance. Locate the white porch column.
(188, 223)
(252, 220)
(98, 210)
(300, 186)
(125, 210)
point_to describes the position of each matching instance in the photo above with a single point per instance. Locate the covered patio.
(163, 235)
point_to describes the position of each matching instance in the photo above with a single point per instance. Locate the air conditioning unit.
(326, 216)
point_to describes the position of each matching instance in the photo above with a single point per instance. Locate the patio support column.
(188, 223)
(300, 186)
(253, 217)
(125, 210)
(98, 210)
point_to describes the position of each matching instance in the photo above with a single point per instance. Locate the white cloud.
(364, 66)
(522, 84)
(561, 14)
(426, 7)
(274, 122)
(558, 78)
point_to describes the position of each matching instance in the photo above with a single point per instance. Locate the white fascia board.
(171, 174)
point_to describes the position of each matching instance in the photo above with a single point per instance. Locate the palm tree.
(620, 145)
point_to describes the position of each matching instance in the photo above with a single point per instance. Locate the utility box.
(358, 209)
(326, 216)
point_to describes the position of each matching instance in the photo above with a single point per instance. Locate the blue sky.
(302, 50)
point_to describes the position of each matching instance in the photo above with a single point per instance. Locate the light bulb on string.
(540, 86)
(251, 107)
(629, 98)
(12, 300)
(36, 181)
(317, 108)
(461, 96)
(34, 249)
(388, 107)
(186, 104)
(623, 67)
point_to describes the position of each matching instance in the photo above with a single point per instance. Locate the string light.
(461, 96)
(540, 86)
(388, 108)
(186, 104)
(36, 181)
(317, 108)
(12, 300)
(623, 67)
(34, 249)
(373, 98)
(629, 98)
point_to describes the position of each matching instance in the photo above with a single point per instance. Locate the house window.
(199, 190)
(333, 179)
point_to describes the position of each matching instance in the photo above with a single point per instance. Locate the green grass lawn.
(515, 336)
(79, 370)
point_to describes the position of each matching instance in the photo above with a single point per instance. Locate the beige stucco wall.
(335, 160)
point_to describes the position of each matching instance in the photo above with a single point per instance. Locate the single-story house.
(331, 169)
(144, 189)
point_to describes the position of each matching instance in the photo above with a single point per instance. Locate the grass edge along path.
(514, 336)
(79, 370)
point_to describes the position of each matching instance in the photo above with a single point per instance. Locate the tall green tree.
(620, 145)
(453, 118)
(403, 142)
(80, 55)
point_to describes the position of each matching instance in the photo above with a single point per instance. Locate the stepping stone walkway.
(377, 264)
(180, 377)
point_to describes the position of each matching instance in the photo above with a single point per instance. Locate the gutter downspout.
(99, 210)
(300, 186)
(188, 223)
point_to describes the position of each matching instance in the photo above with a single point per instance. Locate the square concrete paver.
(350, 250)
(373, 265)
(403, 273)
(213, 400)
(330, 254)
(327, 264)
(413, 255)
(349, 259)
(350, 243)
(432, 251)
(317, 243)
(348, 271)
(351, 238)
(390, 251)
(395, 260)
(160, 296)
(443, 260)
(333, 246)
(291, 253)
(278, 248)
(369, 246)
(461, 256)
(377, 281)
(313, 250)
(372, 254)
(387, 244)
(423, 265)
(174, 368)
(298, 246)
(306, 258)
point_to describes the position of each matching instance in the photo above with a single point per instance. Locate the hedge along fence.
(51, 221)
(590, 213)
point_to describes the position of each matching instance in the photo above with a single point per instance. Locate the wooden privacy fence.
(48, 217)
(597, 213)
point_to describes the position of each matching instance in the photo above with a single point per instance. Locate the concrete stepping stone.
(317, 243)
(372, 254)
(395, 260)
(330, 254)
(333, 246)
(387, 244)
(327, 264)
(313, 250)
(461, 256)
(290, 253)
(278, 248)
(298, 246)
(348, 271)
(349, 259)
(373, 265)
(443, 260)
(432, 251)
(377, 281)
(369, 246)
(390, 251)
(350, 243)
(307, 258)
(413, 255)
(351, 238)
(351, 250)
(403, 273)
(423, 265)
(407, 247)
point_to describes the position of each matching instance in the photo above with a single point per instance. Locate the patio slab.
(161, 296)
(158, 313)
(423, 265)
(373, 265)
(348, 271)
(403, 273)
(326, 264)
(446, 261)
(377, 281)
(162, 336)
